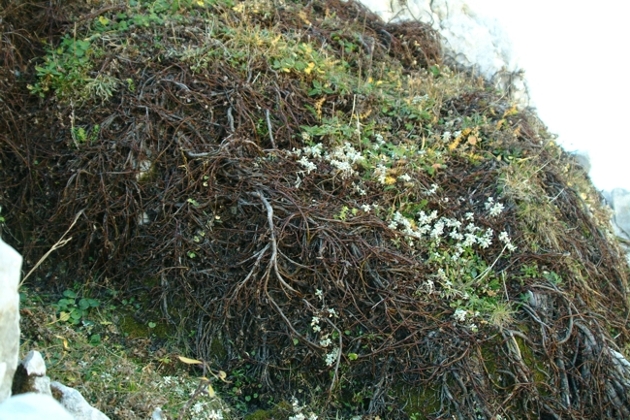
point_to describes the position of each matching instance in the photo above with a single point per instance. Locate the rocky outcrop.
(33, 406)
(33, 396)
(619, 200)
(469, 39)
(10, 266)
(73, 401)
(30, 375)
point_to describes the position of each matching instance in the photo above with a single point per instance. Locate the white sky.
(574, 54)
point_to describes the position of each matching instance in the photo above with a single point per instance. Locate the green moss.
(133, 328)
(280, 411)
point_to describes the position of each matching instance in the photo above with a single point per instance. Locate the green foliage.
(81, 136)
(74, 309)
(65, 68)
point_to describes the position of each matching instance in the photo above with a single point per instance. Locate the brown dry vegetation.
(172, 133)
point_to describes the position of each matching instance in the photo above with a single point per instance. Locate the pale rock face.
(10, 266)
(470, 40)
(619, 200)
(33, 406)
(73, 401)
(30, 375)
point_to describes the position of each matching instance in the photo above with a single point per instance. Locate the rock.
(73, 401)
(10, 266)
(30, 375)
(33, 406)
(157, 414)
(583, 158)
(470, 40)
(619, 201)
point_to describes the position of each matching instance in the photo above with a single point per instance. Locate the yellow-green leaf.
(64, 316)
(211, 392)
(103, 20)
(189, 361)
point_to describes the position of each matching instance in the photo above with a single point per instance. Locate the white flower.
(344, 167)
(434, 188)
(325, 342)
(379, 138)
(366, 208)
(315, 324)
(438, 229)
(470, 216)
(404, 178)
(320, 294)
(446, 136)
(332, 357)
(469, 240)
(486, 239)
(381, 173)
(215, 415)
(494, 209)
(460, 315)
(503, 237)
(307, 164)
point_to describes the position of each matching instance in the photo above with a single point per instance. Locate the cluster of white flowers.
(315, 324)
(404, 178)
(325, 340)
(298, 414)
(332, 356)
(505, 238)
(215, 415)
(460, 315)
(342, 158)
(432, 190)
(201, 407)
(380, 173)
(307, 164)
(494, 209)
(358, 189)
(436, 228)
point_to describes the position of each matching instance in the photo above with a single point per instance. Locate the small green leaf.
(353, 356)
(295, 341)
(70, 294)
(152, 324)
(84, 304)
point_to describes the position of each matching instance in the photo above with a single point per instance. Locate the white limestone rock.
(30, 375)
(73, 401)
(33, 406)
(470, 39)
(619, 200)
(10, 266)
